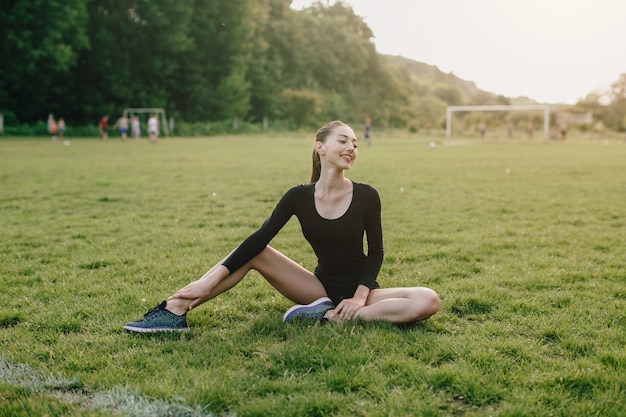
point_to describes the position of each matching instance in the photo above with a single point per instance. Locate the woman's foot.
(159, 319)
(313, 312)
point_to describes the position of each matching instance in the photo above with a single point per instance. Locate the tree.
(215, 83)
(267, 74)
(134, 55)
(40, 41)
(618, 88)
(613, 114)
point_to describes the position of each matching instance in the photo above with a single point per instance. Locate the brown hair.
(321, 135)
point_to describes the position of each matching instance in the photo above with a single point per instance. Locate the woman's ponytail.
(316, 167)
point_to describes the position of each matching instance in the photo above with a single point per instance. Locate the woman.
(334, 213)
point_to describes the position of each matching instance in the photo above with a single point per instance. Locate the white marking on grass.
(118, 400)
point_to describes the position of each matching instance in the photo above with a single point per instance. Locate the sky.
(552, 51)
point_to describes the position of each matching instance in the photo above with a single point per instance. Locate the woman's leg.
(289, 278)
(400, 305)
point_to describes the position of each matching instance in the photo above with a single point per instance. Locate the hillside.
(419, 73)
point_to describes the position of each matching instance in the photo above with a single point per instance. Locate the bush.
(41, 129)
(224, 127)
(300, 106)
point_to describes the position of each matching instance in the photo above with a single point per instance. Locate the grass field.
(524, 242)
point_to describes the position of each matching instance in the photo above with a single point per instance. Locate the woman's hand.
(198, 292)
(347, 309)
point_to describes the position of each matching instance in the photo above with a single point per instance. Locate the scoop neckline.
(342, 214)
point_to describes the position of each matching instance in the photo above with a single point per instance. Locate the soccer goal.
(159, 113)
(539, 107)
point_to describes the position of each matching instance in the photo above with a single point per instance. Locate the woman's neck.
(331, 181)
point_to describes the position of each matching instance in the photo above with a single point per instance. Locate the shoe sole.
(154, 329)
(312, 305)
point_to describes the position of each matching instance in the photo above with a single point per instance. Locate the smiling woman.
(335, 215)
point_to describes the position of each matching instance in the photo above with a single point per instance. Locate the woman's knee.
(434, 301)
(426, 303)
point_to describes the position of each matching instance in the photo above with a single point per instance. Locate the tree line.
(203, 60)
(212, 60)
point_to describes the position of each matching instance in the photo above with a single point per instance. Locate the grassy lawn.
(524, 242)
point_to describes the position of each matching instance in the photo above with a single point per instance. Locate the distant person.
(53, 127)
(482, 127)
(509, 130)
(599, 129)
(367, 133)
(335, 215)
(530, 129)
(61, 128)
(153, 128)
(135, 126)
(122, 126)
(104, 127)
(564, 127)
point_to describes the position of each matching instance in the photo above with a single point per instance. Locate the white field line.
(118, 400)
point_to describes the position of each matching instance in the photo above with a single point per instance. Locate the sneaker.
(159, 320)
(313, 311)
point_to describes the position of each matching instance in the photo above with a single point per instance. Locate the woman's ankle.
(177, 306)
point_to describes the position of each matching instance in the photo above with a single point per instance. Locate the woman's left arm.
(374, 233)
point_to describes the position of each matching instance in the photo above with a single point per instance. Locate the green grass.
(524, 242)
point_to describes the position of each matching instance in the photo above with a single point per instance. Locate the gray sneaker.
(159, 320)
(313, 311)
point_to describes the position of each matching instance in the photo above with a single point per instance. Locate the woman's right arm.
(200, 291)
(257, 241)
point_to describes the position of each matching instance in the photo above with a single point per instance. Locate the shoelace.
(152, 312)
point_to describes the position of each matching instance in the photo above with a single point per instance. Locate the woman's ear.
(319, 147)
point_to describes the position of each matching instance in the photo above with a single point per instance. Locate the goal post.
(539, 107)
(160, 114)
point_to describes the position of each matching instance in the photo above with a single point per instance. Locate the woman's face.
(340, 147)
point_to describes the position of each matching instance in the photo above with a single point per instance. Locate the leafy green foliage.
(613, 115)
(207, 61)
(40, 42)
(302, 106)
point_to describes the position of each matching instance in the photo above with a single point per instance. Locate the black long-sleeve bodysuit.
(338, 243)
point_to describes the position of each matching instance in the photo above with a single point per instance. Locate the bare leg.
(399, 305)
(289, 278)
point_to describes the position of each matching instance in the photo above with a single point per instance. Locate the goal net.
(159, 113)
(526, 108)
